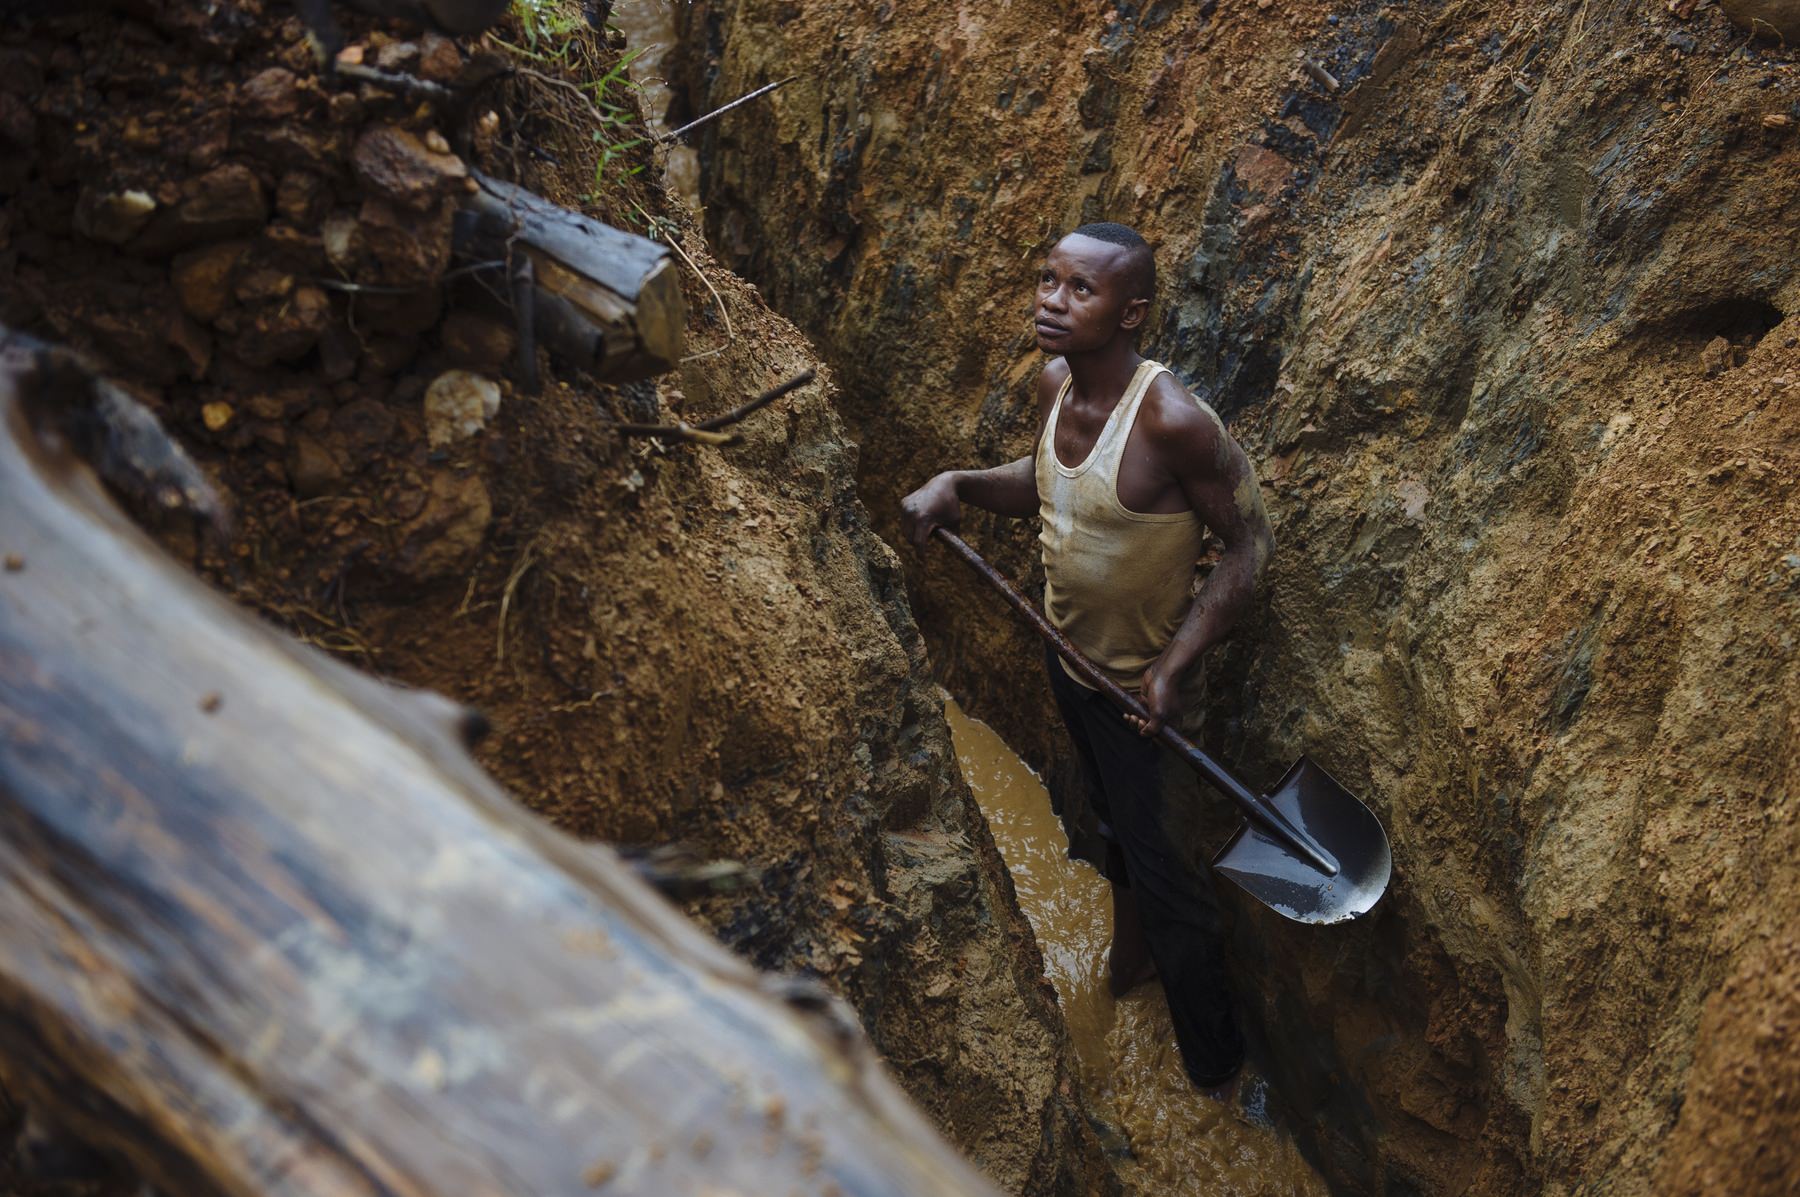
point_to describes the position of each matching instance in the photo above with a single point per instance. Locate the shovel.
(1307, 849)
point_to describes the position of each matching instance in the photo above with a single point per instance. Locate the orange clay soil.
(1508, 324)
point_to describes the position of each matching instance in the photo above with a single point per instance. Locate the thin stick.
(333, 284)
(467, 596)
(582, 704)
(706, 432)
(410, 85)
(763, 400)
(764, 90)
(661, 228)
(1319, 74)
(681, 432)
(519, 569)
(724, 312)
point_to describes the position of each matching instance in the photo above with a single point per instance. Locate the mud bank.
(676, 644)
(1502, 300)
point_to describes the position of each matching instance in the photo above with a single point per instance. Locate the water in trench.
(1181, 1142)
(649, 29)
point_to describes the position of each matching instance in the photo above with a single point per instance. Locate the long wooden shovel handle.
(1265, 815)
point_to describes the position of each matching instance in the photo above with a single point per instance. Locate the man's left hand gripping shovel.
(1308, 849)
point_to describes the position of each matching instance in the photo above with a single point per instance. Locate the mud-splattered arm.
(1220, 485)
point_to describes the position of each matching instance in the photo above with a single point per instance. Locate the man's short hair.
(1141, 260)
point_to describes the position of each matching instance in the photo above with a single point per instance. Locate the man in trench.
(1128, 473)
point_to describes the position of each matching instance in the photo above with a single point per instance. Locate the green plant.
(619, 76)
(607, 153)
(552, 37)
(547, 25)
(617, 120)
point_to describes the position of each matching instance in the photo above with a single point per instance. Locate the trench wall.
(677, 646)
(1501, 300)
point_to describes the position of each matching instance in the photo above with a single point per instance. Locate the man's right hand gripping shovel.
(933, 506)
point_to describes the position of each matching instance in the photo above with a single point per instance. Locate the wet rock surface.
(1507, 323)
(674, 644)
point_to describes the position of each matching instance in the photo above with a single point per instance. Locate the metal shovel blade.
(1280, 878)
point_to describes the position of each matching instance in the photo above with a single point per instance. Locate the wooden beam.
(605, 301)
(266, 929)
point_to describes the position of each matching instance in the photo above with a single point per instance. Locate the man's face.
(1085, 296)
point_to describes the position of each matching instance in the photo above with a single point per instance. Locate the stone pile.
(264, 257)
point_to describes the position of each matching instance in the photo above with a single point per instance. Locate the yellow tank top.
(1117, 582)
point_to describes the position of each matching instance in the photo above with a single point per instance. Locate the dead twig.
(1319, 75)
(763, 400)
(468, 595)
(682, 432)
(764, 90)
(407, 85)
(706, 432)
(661, 228)
(334, 284)
(519, 569)
(582, 704)
(724, 312)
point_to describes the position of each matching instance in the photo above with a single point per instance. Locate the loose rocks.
(226, 202)
(476, 341)
(114, 218)
(458, 404)
(446, 535)
(203, 278)
(395, 164)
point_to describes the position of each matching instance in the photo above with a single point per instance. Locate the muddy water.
(649, 29)
(1181, 1142)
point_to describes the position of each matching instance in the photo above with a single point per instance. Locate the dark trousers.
(1132, 782)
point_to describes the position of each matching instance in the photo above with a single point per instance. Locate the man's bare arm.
(1220, 484)
(1009, 490)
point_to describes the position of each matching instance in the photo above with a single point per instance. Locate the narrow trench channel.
(1181, 1142)
(649, 29)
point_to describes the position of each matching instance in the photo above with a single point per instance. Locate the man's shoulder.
(1175, 412)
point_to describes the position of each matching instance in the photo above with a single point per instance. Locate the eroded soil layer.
(676, 644)
(1501, 299)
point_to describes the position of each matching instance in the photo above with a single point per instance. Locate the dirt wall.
(676, 644)
(1501, 300)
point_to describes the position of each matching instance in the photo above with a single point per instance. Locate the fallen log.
(266, 929)
(599, 298)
